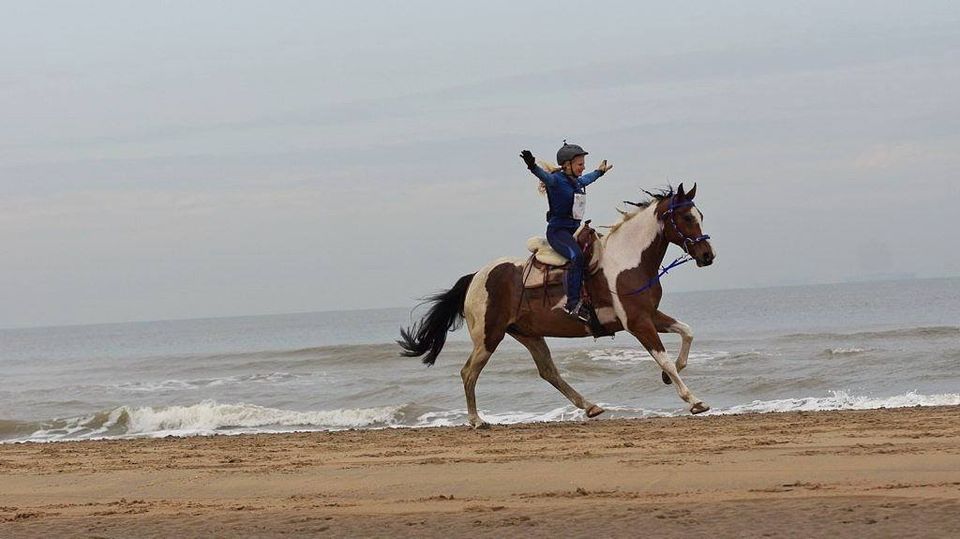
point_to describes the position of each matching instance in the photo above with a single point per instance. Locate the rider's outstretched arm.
(591, 177)
(531, 163)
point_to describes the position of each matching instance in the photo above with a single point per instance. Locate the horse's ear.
(680, 193)
(693, 192)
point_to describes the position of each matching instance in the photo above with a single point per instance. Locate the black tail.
(429, 334)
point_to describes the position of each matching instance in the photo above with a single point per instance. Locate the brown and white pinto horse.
(625, 292)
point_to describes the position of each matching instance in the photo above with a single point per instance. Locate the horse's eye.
(689, 219)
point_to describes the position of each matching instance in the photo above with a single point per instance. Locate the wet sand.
(880, 473)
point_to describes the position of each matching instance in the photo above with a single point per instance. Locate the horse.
(624, 288)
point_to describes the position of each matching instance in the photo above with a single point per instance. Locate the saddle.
(546, 266)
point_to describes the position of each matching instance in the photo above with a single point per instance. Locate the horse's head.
(682, 225)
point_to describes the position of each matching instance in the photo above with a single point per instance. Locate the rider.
(566, 195)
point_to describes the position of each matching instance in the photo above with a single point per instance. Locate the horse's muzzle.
(705, 259)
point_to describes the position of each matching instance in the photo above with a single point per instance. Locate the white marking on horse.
(686, 337)
(697, 216)
(639, 231)
(662, 359)
(475, 304)
(477, 298)
(606, 315)
(681, 328)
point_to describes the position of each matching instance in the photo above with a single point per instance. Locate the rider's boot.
(576, 310)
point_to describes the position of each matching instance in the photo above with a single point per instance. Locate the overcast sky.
(196, 159)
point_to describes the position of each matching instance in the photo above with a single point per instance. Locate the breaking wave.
(207, 417)
(210, 417)
(841, 400)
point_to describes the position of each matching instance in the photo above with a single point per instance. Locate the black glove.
(528, 158)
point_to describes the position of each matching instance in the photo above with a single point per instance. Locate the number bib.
(579, 206)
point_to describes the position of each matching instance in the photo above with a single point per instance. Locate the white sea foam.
(845, 351)
(634, 355)
(619, 355)
(838, 400)
(564, 413)
(210, 417)
(841, 400)
(459, 417)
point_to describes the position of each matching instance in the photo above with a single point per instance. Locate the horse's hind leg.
(488, 309)
(667, 324)
(548, 371)
(469, 374)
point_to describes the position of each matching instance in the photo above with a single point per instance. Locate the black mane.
(658, 195)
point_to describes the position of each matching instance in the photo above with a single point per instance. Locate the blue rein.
(683, 259)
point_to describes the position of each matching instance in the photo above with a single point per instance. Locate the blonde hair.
(550, 168)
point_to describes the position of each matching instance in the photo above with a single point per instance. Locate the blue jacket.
(560, 191)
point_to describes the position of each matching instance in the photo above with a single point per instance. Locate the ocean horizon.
(413, 305)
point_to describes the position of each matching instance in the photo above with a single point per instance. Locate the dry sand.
(882, 473)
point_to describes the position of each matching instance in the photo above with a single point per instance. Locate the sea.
(824, 347)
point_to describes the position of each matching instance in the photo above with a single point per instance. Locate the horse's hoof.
(594, 411)
(481, 425)
(699, 408)
(666, 378)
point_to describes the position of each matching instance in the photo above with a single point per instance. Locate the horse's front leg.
(667, 324)
(646, 332)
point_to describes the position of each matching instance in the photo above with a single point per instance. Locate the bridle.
(672, 212)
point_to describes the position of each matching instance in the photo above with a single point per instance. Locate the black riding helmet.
(568, 152)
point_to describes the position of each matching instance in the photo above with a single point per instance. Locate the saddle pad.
(544, 253)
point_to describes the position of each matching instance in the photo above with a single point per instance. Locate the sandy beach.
(880, 473)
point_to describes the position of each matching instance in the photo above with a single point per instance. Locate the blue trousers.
(561, 239)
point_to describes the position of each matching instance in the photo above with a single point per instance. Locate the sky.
(183, 159)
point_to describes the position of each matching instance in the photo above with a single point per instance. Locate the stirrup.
(578, 311)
